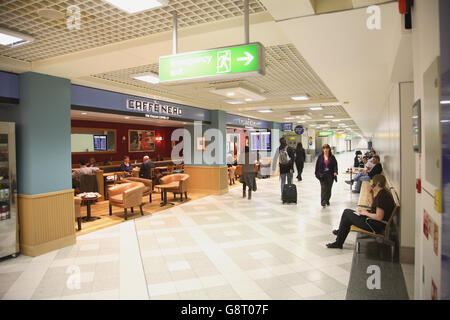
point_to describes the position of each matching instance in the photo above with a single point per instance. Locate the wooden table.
(89, 201)
(163, 188)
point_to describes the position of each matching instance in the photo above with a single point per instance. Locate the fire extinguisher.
(404, 6)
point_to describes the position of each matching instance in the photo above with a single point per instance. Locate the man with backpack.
(286, 157)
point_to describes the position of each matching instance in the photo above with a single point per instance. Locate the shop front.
(58, 127)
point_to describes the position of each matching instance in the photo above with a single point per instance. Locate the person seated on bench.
(373, 220)
(367, 174)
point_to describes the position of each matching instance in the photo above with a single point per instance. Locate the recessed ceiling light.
(316, 108)
(12, 38)
(249, 99)
(301, 121)
(445, 102)
(336, 120)
(230, 94)
(234, 102)
(265, 111)
(289, 118)
(300, 98)
(328, 117)
(84, 113)
(147, 77)
(133, 6)
(127, 117)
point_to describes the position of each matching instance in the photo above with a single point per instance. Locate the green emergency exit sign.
(224, 63)
(325, 133)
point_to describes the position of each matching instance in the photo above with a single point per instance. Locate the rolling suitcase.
(289, 193)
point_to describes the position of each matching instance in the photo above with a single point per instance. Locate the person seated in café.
(108, 161)
(159, 157)
(92, 163)
(230, 159)
(83, 169)
(126, 165)
(147, 164)
(367, 174)
(373, 220)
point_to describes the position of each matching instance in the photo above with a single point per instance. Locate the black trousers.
(299, 165)
(326, 183)
(349, 218)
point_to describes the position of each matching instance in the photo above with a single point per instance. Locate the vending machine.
(9, 236)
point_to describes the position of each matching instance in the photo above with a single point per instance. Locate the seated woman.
(125, 165)
(373, 220)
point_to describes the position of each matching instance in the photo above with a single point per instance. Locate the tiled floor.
(217, 247)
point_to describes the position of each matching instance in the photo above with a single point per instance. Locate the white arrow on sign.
(248, 58)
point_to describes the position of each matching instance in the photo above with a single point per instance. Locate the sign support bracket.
(246, 22)
(175, 33)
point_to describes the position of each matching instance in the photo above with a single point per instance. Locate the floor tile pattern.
(217, 247)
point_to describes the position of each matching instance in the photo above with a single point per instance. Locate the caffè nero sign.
(153, 107)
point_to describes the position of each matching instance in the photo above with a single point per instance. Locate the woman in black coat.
(326, 172)
(299, 160)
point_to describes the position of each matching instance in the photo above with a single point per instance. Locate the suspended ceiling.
(112, 44)
(103, 24)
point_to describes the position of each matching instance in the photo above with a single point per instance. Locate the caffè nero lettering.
(153, 107)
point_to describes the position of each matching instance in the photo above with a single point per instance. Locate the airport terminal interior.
(224, 150)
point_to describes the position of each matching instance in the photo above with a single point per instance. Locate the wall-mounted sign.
(325, 133)
(299, 130)
(85, 98)
(153, 107)
(222, 63)
(249, 123)
(288, 126)
(310, 141)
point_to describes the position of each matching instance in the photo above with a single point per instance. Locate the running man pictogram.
(224, 61)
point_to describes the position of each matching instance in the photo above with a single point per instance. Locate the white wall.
(408, 181)
(426, 47)
(386, 140)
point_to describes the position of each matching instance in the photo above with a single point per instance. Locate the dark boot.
(243, 193)
(249, 194)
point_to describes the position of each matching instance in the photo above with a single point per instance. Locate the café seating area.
(119, 195)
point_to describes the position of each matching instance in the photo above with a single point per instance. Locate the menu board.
(100, 143)
(260, 141)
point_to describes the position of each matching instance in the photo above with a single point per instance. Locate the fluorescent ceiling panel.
(148, 77)
(133, 6)
(12, 38)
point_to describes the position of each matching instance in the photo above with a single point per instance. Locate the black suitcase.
(289, 193)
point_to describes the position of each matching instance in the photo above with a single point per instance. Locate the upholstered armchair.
(126, 195)
(147, 183)
(182, 186)
(78, 216)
